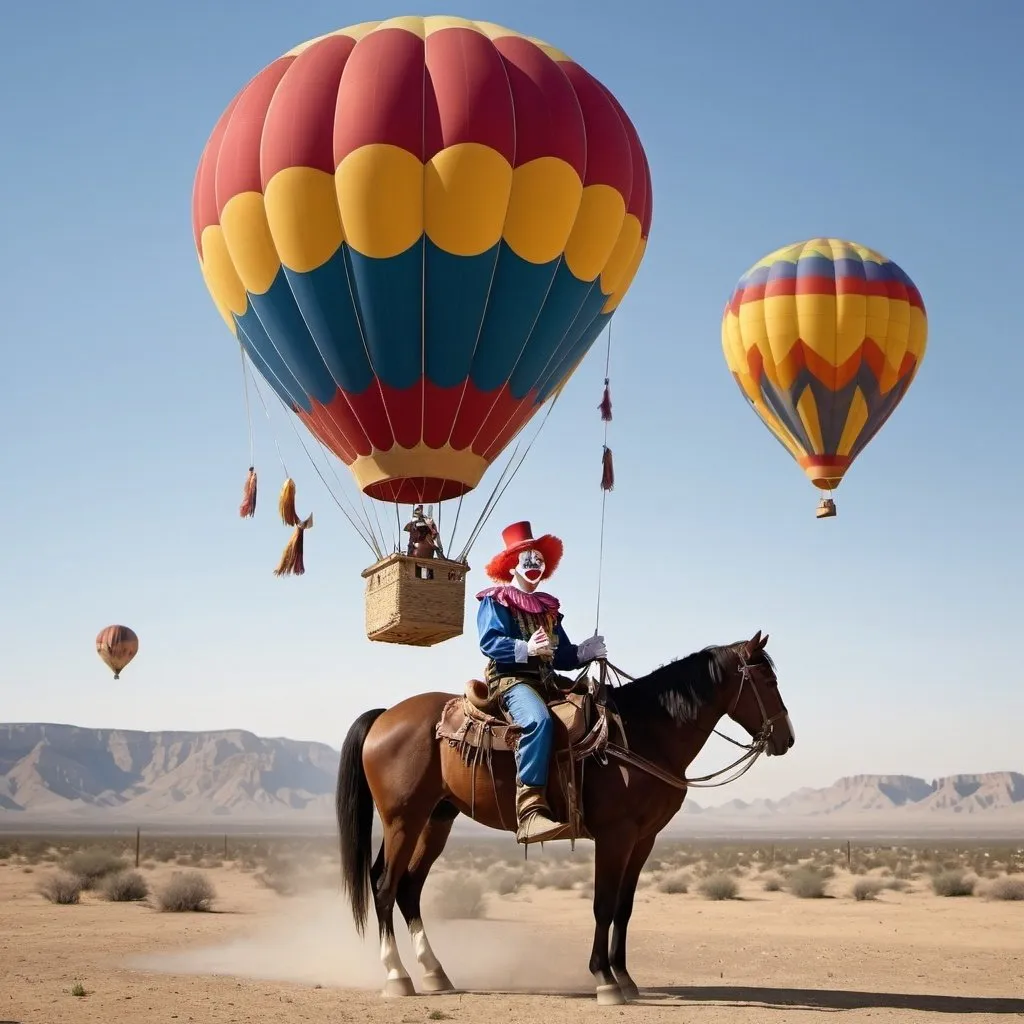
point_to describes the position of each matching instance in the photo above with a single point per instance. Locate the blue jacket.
(502, 642)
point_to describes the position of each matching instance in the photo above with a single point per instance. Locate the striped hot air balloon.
(117, 645)
(416, 229)
(824, 337)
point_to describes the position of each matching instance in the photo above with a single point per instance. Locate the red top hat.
(518, 538)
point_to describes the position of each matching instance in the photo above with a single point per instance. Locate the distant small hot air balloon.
(117, 645)
(824, 338)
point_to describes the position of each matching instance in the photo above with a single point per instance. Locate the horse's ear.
(764, 641)
(753, 645)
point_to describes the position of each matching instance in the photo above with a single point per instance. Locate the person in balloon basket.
(521, 635)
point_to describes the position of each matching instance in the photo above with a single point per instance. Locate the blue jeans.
(527, 709)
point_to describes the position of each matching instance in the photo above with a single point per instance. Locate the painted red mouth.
(532, 575)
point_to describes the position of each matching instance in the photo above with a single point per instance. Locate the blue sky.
(125, 440)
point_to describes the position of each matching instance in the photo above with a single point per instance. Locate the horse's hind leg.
(410, 888)
(400, 839)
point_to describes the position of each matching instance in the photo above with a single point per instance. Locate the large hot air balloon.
(117, 645)
(824, 337)
(416, 228)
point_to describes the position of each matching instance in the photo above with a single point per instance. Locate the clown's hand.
(539, 645)
(591, 648)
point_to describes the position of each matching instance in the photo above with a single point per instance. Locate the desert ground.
(721, 932)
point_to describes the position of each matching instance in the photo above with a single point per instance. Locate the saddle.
(581, 717)
(581, 725)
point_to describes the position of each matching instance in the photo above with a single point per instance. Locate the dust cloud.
(312, 940)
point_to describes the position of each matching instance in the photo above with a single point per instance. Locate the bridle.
(751, 751)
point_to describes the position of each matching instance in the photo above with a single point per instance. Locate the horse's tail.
(355, 817)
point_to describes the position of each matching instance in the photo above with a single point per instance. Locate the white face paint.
(529, 570)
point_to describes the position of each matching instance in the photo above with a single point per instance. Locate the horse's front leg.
(623, 911)
(612, 853)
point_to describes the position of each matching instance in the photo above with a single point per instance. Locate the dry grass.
(458, 897)
(62, 888)
(186, 892)
(808, 883)
(720, 886)
(674, 882)
(92, 866)
(496, 869)
(953, 882)
(867, 888)
(125, 887)
(1005, 888)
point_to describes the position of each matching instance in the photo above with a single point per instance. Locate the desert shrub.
(952, 883)
(62, 888)
(1006, 888)
(719, 887)
(125, 887)
(674, 882)
(5, 853)
(771, 883)
(187, 891)
(93, 865)
(866, 888)
(458, 897)
(807, 884)
(504, 881)
(280, 875)
(896, 884)
(564, 876)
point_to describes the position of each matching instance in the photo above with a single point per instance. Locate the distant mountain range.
(91, 776)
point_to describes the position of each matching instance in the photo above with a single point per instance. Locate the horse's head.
(753, 700)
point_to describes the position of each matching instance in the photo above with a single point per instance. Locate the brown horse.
(392, 760)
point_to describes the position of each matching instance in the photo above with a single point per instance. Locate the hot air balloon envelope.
(416, 229)
(824, 338)
(117, 645)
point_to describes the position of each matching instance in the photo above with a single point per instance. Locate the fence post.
(138, 844)
(849, 857)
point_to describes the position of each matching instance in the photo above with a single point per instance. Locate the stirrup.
(537, 827)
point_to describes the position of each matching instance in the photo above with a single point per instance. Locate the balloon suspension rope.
(607, 471)
(501, 485)
(248, 507)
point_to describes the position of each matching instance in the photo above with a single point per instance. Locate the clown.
(522, 637)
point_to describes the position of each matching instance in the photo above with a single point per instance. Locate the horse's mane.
(682, 687)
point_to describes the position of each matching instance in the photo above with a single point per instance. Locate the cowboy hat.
(518, 538)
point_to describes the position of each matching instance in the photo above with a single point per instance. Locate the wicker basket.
(405, 605)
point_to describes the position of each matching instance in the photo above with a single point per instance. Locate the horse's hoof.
(629, 991)
(395, 987)
(437, 982)
(610, 995)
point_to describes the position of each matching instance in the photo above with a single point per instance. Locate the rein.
(751, 751)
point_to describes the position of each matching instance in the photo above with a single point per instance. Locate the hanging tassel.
(286, 504)
(606, 403)
(248, 507)
(607, 470)
(291, 563)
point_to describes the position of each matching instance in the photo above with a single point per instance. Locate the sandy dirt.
(260, 956)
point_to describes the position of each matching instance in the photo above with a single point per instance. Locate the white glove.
(591, 648)
(539, 645)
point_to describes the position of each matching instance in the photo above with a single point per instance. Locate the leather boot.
(534, 817)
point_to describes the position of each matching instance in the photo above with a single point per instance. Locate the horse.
(393, 760)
